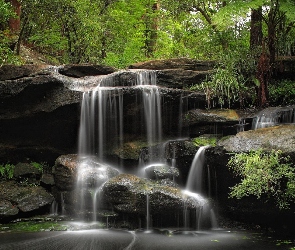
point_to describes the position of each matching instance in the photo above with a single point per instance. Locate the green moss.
(130, 150)
(33, 226)
(203, 141)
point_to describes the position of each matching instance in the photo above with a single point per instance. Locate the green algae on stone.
(33, 226)
(203, 141)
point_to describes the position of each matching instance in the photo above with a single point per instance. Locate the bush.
(6, 171)
(282, 93)
(267, 174)
(228, 84)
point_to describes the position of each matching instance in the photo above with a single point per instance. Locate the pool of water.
(155, 239)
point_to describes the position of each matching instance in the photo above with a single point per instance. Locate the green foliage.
(6, 39)
(39, 166)
(267, 174)
(282, 93)
(228, 83)
(34, 226)
(7, 171)
(117, 33)
(7, 56)
(6, 11)
(203, 141)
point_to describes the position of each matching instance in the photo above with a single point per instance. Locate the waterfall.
(273, 116)
(153, 116)
(195, 176)
(102, 114)
(102, 128)
(195, 187)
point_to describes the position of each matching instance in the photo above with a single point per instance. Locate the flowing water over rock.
(273, 116)
(102, 129)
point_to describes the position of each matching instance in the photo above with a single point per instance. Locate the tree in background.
(269, 20)
(121, 32)
(8, 32)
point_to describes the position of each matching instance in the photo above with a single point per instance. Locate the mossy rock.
(278, 137)
(128, 194)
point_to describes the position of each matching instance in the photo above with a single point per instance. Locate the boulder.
(82, 70)
(23, 170)
(70, 169)
(280, 137)
(7, 209)
(161, 171)
(128, 193)
(15, 198)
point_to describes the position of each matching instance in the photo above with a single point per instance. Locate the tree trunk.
(14, 23)
(256, 37)
(263, 75)
(151, 31)
(256, 29)
(271, 35)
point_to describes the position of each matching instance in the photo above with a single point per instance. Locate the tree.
(14, 22)
(275, 14)
(7, 34)
(151, 22)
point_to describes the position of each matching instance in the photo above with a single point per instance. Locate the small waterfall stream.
(195, 176)
(196, 189)
(273, 116)
(101, 128)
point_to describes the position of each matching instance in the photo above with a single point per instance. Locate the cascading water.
(195, 176)
(101, 130)
(103, 118)
(195, 189)
(273, 116)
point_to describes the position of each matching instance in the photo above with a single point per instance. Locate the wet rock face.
(278, 137)
(39, 114)
(15, 198)
(161, 171)
(69, 169)
(85, 70)
(178, 73)
(128, 194)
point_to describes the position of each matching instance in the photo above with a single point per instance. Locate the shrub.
(7, 171)
(267, 174)
(282, 93)
(228, 83)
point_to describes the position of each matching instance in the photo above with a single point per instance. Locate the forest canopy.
(245, 36)
(120, 32)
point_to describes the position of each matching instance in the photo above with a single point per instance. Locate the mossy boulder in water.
(128, 193)
(68, 168)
